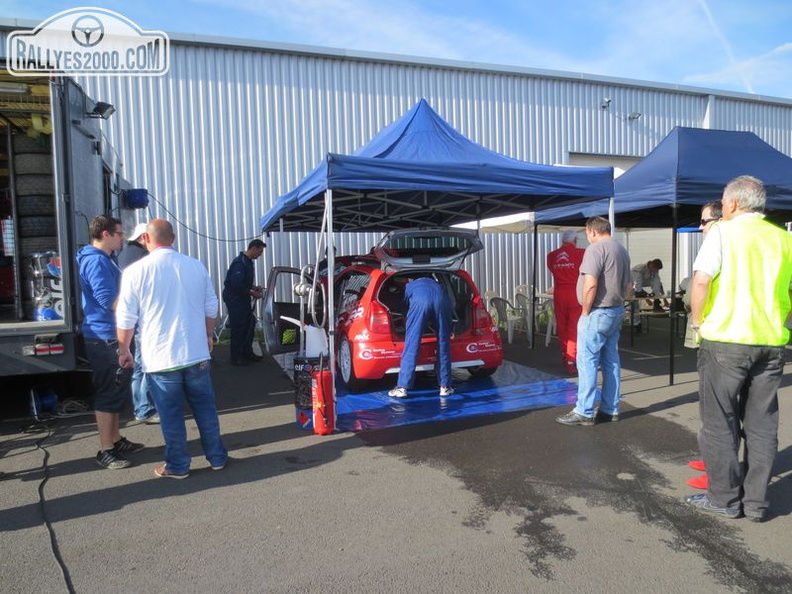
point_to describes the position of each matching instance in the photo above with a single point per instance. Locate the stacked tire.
(35, 192)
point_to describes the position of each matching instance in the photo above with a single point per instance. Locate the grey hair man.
(739, 302)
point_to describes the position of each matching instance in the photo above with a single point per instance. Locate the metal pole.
(612, 215)
(532, 313)
(330, 293)
(672, 309)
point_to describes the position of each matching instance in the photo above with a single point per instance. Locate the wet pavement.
(507, 502)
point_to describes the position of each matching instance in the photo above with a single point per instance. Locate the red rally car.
(370, 312)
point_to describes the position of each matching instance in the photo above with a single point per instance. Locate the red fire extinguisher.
(322, 400)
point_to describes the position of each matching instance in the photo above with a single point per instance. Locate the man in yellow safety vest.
(740, 300)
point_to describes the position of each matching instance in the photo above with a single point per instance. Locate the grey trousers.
(738, 397)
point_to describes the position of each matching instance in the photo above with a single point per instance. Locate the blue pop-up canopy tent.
(689, 168)
(420, 171)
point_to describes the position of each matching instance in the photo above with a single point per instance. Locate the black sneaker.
(124, 446)
(112, 460)
(572, 418)
(602, 417)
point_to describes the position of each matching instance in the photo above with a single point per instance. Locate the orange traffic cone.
(699, 482)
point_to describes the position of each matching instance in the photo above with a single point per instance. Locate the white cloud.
(771, 71)
(675, 41)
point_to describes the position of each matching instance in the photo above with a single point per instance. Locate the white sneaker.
(446, 390)
(398, 393)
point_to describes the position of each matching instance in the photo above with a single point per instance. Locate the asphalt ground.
(502, 503)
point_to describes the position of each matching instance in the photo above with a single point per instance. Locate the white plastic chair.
(489, 295)
(507, 315)
(522, 290)
(551, 320)
(543, 312)
(523, 302)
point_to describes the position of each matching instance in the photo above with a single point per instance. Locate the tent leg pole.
(532, 312)
(330, 295)
(672, 292)
(612, 215)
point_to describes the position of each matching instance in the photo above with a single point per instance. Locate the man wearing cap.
(142, 402)
(564, 265)
(134, 249)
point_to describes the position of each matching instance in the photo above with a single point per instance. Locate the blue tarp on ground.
(691, 166)
(420, 171)
(512, 388)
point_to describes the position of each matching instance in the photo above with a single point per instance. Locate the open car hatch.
(427, 248)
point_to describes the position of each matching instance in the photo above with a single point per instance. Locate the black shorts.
(112, 384)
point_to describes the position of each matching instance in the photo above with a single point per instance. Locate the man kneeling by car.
(427, 302)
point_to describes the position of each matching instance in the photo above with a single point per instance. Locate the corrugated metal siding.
(772, 123)
(229, 129)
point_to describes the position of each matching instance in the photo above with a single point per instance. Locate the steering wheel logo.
(87, 31)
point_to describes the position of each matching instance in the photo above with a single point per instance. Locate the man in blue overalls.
(427, 301)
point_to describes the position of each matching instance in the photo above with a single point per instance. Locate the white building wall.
(235, 124)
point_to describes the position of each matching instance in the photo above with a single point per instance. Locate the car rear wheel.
(481, 371)
(347, 368)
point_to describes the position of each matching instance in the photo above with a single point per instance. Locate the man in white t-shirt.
(171, 297)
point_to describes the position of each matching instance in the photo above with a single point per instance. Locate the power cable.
(198, 233)
(36, 428)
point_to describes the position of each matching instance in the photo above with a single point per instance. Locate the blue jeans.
(169, 390)
(142, 403)
(598, 346)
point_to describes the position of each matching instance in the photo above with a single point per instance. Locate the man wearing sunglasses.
(711, 213)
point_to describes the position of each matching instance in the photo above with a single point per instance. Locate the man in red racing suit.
(564, 265)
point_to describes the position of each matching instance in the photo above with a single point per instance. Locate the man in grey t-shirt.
(604, 283)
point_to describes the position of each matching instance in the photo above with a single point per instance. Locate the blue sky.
(736, 45)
